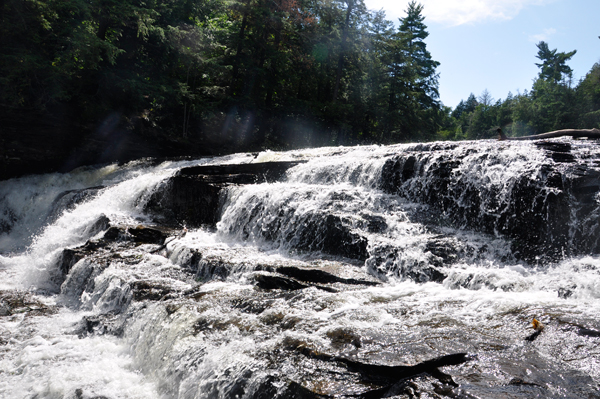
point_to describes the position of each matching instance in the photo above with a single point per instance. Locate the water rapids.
(381, 271)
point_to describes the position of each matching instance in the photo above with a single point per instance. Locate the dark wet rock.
(521, 382)
(588, 332)
(262, 172)
(68, 258)
(445, 250)
(562, 157)
(582, 330)
(110, 324)
(108, 296)
(101, 224)
(213, 268)
(273, 282)
(77, 281)
(269, 388)
(207, 324)
(7, 221)
(387, 377)
(67, 200)
(113, 233)
(389, 261)
(254, 305)
(296, 391)
(546, 215)
(566, 292)
(79, 267)
(16, 302)
(192, 197)
(375, 223)
(558, 151)
(396, 171)
(533, 336)
(332, 236)
(554, 146)
(187, 258)
(148, 290)
(342, 336)
(316, 276)
(147, 235)
(186, 201)
(80, 394)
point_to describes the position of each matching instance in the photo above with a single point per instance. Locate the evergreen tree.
(588, 99)
(414, 87)
(415, 33)
(553, 67)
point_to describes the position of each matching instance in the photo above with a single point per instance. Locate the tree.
(553, 66)
(237, 74)
(426, 82)
(588, 98)
(414, 87)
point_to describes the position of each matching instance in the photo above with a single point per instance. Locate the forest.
(233, 75)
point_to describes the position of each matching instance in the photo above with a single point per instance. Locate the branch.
(589, 133)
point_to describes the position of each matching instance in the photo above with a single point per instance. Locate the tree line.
(252, 74)
(241, 73)
(553, 103)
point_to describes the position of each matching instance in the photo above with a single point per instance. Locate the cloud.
(544, 36)
(457, 12)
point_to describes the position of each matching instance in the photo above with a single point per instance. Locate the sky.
(491, 44)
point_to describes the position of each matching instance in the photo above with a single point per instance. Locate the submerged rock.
(67, 200)
(16, 302)
(387, 379)
(390, 261)
(331, 235)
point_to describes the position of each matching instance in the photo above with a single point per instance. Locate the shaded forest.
(241, 74)
(215, 76)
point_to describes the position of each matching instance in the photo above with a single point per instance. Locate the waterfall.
(330, 272)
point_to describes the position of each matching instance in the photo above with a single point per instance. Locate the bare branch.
(575, 133)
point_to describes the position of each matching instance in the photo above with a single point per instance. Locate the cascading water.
(357, 258)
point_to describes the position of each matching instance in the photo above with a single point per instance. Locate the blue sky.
(491, 44)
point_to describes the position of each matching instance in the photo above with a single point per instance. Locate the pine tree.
(415, 94)
(425, 67)
(553, 66)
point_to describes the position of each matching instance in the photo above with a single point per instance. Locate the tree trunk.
(273, 73)
(340, 66)
(103, 27)
(589, 133)
(236, 61)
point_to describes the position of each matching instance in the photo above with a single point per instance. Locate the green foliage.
(554, 66)
(249, 74)
(588, 99)
(552, 104)
(242, 73)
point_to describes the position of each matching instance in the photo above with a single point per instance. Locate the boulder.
(329, 234)
(193, 196)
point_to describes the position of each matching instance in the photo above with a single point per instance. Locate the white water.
(215, 347)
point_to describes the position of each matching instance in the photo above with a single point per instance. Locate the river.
(358, 257)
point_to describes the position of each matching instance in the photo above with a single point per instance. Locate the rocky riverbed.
(461, 270)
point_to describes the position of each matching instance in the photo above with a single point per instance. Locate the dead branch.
(575, 133)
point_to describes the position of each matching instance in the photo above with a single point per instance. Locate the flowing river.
(401, 271)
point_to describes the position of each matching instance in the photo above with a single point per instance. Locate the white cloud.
(457, 12)
(544, 36)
